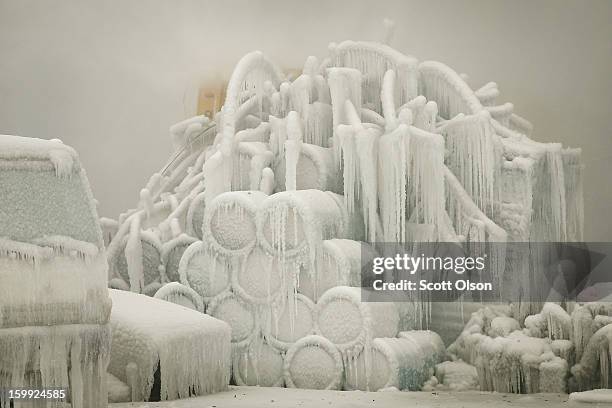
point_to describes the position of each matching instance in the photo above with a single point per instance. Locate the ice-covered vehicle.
(54, 301)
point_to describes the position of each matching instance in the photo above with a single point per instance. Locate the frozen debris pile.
(594, 396)
(54, 302)
(293, 179)
(191, 349)
(552, 352)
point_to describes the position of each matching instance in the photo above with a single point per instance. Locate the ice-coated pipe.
(195, 215)
(430, 343)
(202, 271)
(315, 169)
(150, 257)
(292, 222)
(597, 354)
(259, 365)
(240, 315)
(294, 321)
(229, 226)
(180, 294)
(339, 265)
(171, 254)
(258, 277)
(389, 362)
(313, 362)
(350, 323)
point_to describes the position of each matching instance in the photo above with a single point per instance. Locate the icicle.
(474, 156)
(388, 101)
(292, 149)
(133, 254)
(344, 83)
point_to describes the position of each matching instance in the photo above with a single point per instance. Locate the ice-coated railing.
(440, 83)
(248, 80)
(376, 59)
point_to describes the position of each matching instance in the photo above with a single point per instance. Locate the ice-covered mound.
(370, 145)
(454, 376)
(603, 396)
(190, 349)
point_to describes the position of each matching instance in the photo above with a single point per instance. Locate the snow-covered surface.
(18, 149)
(248, 397)
(191, 349)
(593, 396)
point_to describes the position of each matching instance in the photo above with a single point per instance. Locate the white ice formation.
(191, 350)
(294, 179)
(54, 302)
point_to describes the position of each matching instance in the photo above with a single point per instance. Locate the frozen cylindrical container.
(240, 315)
(389, 362)
(292, 222)
(258, 278)
(207, 274)
(137, 261)
(171, 254)
(313, 362)
(294, 321)
(195, 215)
(259, 364)
(315, 170)
(182, 295)
(350, 323)
(229, 226)
(339, 265)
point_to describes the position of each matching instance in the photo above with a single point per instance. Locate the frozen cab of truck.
(54, 301)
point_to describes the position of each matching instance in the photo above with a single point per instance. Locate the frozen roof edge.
(63, 157)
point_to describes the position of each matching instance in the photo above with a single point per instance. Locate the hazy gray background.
(110, 77)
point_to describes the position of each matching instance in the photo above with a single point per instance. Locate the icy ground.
(249, 397)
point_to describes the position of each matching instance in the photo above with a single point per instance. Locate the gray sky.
(110, 77)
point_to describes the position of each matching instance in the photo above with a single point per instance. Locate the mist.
(110, 77)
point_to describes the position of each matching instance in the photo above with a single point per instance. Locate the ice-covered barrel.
(390, 362)
(260, 364)
(315, 169)
(195, 215)
(137, 260)
(240, 315)
(313, 362)
(182, 295)
(229, 226)
(171, 254)
(339, 265)
(430, 342)
(292, 222)
(350, 323)
(294, 321)
(257, 278)
(206, 273)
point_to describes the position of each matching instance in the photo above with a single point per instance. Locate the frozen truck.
(54, 303)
